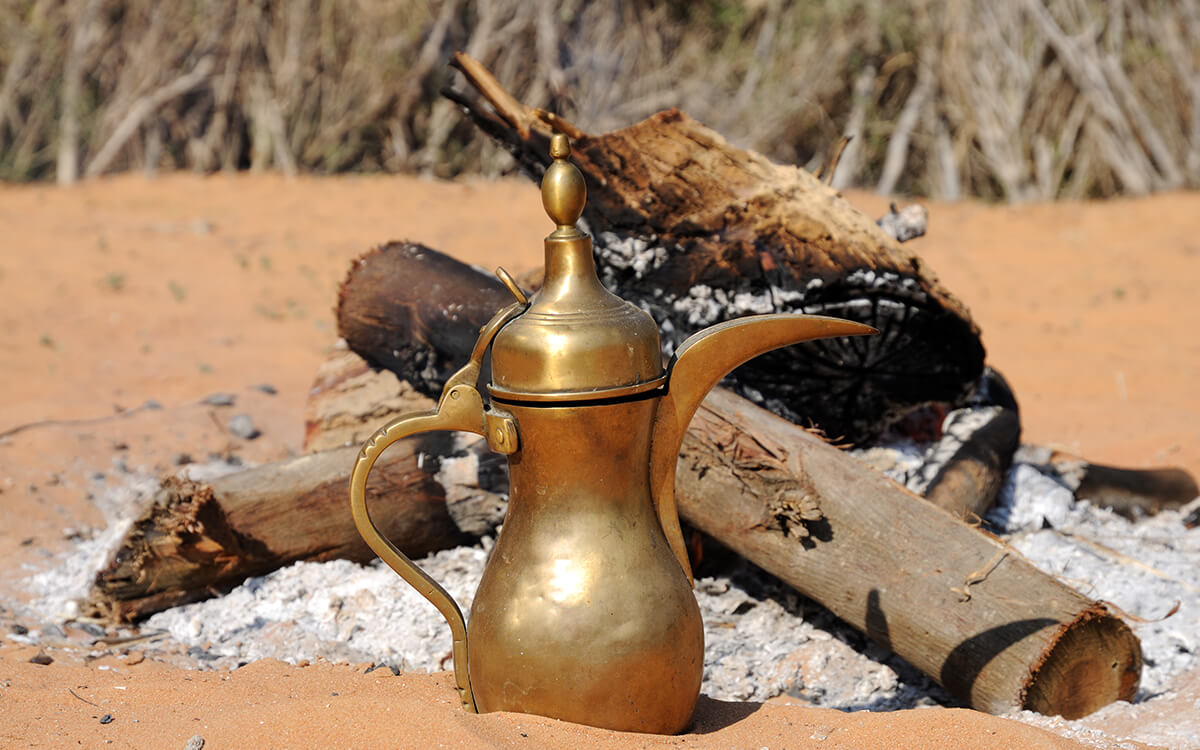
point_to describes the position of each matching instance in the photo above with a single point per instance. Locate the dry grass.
(1012, 100)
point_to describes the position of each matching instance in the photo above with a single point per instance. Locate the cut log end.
(409, 322)
(185, 539)
(1093, 661)
(198, 538)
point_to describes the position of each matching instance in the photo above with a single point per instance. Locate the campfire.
(856, 506)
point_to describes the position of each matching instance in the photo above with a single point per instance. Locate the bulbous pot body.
(583, 612)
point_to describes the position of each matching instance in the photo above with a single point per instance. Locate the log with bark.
(696, 231)
(960, 605)
(198, 538)
(201, 537)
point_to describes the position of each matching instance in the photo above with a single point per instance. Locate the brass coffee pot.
(584, 611)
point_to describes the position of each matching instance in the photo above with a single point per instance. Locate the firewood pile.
(697, 231)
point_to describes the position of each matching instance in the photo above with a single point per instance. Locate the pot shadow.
(713, 715)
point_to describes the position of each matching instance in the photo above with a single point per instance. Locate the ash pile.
(763, 639)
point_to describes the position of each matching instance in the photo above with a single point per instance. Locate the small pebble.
(53, 630)
(266, 388)
(394, 670)
(151, 404)
(242, 426)
(219, 399)
(106, 719)
(195, 743)
(42, 658)
(183, 459)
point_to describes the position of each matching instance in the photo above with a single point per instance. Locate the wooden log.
(415, 311)
(1131, 492)
(957, 603)
(697, 231)
(198, 538)
(1137, 492)
(968, 481)
(349, 399)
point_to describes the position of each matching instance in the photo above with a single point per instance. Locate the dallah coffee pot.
(585, 610)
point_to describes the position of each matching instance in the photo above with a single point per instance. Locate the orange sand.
(129, 289)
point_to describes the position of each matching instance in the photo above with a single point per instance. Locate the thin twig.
(505, 104)
(1121, 557)
(834, 158)
(74, 422)
(981, 575)
(85, 700)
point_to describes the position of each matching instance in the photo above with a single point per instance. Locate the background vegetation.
(1008, 99)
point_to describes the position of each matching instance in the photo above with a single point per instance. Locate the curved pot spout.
(698, 365)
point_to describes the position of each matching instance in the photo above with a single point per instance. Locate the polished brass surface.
(577, 341)
(582, 612)
(585, 611)
(508, 281)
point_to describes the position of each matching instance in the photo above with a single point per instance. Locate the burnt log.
(415, 311)
(697, 231)
(198, 538)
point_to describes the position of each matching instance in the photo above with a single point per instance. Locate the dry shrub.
(1014, 100)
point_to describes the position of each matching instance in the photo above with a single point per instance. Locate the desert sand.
(126, 301)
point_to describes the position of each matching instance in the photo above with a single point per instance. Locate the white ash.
(763, 639)
(1142, 567)
(905, 224)
(1066, 471)
(705, 305)
(702, 306)
(889, 281)
(901, 460)
(338, 610)
(758, 644)
(628, 252)
(58, 590)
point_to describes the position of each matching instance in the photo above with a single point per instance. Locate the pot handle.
(460, 409)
